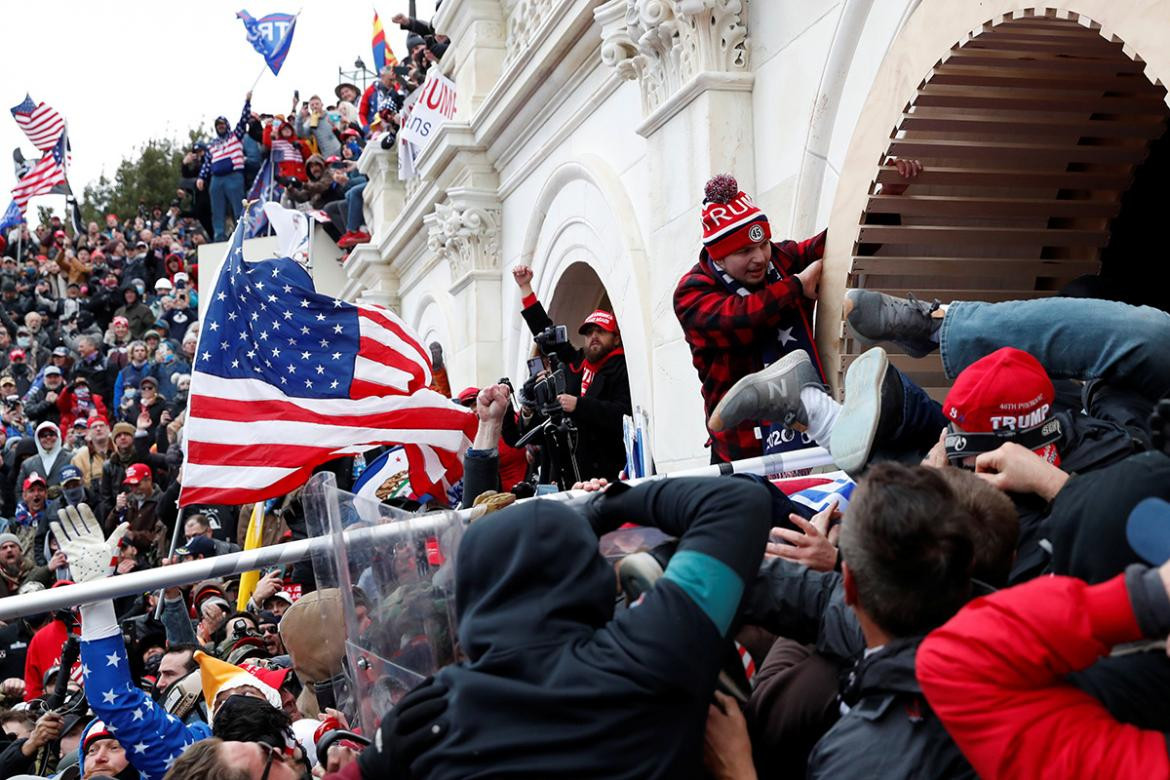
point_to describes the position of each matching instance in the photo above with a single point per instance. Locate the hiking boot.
(872, 410)
(906, 321)
(771, 394)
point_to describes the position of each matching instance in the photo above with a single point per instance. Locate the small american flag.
(286, 378)
(43, 176)
(40, 123)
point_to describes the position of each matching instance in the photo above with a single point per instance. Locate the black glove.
(1160, 425)
(406, 732)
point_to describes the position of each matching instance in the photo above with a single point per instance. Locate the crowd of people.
(994, 600)
(312, 149)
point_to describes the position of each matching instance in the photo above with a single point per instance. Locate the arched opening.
(1031, 130)
(578, 293)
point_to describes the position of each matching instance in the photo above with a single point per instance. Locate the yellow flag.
(252, 540)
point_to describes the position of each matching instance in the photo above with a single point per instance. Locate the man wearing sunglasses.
(253, 760)
(270, 631)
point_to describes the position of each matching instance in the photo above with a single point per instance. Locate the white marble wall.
(586, 175)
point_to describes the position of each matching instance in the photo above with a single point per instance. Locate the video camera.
(551, 338)
(540, 392)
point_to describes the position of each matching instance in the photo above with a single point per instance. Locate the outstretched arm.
(995, 676)
(722, 525)
(245, 115)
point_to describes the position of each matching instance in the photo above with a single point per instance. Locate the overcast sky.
(123, 72)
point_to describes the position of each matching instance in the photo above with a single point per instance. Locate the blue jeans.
(226, 191)
(354, 218)
(1073, 338)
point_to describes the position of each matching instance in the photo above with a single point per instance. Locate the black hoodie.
(556, 683)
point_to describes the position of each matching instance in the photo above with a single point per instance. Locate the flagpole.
(268, 195)
(138, 582)
(257, 81)
(186, 413)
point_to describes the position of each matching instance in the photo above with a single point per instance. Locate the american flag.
(45, 175)
(40, 123)
(286, 378)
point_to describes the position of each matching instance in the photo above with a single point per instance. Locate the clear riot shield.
(393, 575)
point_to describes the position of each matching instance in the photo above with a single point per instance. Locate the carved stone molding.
(524, 18)
(465, 232)
(665, 43)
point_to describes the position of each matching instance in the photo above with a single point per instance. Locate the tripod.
(560, 446)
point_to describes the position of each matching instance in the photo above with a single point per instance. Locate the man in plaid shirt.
(747, 302)
(746, 306)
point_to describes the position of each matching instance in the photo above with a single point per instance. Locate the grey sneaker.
(770, 394)
(904, 321)
(857, 426)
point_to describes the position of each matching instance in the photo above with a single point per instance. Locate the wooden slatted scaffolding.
(1029, 131)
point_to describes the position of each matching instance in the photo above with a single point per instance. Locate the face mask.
(141, 288)
(74, 495)
(23, 341)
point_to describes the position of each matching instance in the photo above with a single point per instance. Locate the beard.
(595, 353)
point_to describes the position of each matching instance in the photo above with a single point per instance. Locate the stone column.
(478, 50)
(384, 193)
(690, 60)
(464, 231)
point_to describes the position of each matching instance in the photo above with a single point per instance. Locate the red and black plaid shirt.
(726, 330)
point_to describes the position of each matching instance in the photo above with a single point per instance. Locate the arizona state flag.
(383, 55)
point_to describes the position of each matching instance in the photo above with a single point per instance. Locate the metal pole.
(174, 546)
(290, 552)
(138, 582)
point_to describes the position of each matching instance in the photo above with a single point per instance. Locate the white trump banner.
(435, 105)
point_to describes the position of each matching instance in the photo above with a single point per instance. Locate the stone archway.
(586, 251)
(578, 293)
(1031, 127)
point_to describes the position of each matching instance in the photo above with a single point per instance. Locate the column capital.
(464, 231)
(664, 44)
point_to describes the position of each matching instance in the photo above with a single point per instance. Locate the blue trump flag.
(270, 35)
(11, 218)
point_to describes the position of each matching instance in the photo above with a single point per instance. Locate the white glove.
(80, 535)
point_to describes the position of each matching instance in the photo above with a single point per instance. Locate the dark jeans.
(922, 420)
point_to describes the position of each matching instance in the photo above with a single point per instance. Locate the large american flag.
(40, 123)
(286, 378)
(44, 176)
